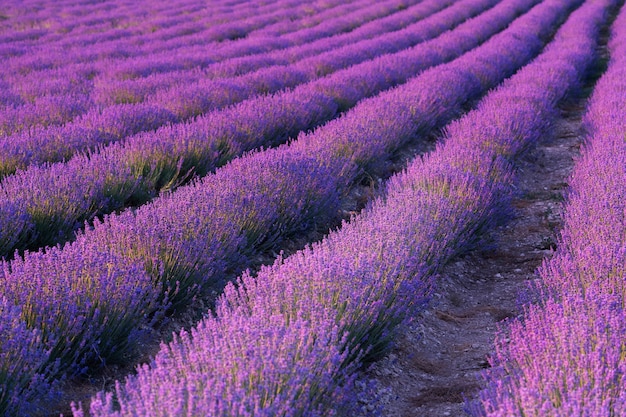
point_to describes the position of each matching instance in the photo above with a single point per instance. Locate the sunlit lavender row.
(131, 84)
(121, 33)
(48, 203)
(566, 357)
(127, 61)
(112, 123)
(135, 265)
(131, 28)
(188, 55)
(288, 341)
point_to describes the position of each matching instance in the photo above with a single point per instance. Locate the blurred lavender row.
(120, 41)
(44, 205)
(82, 78)
(289, 341)
(101, 126)
(133, 85)
(102, 72)
(132, 267)
(60, 94)
(150, 26)
(123, 44)
(123, 48)
(73, 80)
(566, 356)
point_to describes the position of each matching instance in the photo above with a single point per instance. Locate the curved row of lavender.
(185, 100)
(35, 21)
(147, 20)
(106, 69)
(88, 298)
(566, 357)
(144, 24)
(151, 26)
(187, 53)
(136, 89)
(133, 84)
(377, 27)
(115, 81)
(125, 57)
(147, 26)
(46, 204)
(289, 341)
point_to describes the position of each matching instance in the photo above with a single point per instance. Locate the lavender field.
(236, 208)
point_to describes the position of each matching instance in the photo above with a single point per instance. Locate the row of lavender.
(293, 31)
(567, 356)
(188, 98)
(86, 87)
(138, 28)
(28, 19)
(58, 109)
(128, 81)
(289, 341)
(87, 299)
(81, 78)
(149, 21)
(119, 50)
(43, 205)
(66, 75)
(294, 46)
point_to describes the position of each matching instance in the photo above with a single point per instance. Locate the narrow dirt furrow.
(437, 360)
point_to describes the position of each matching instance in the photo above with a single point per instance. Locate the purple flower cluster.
(566, 355)
(81, 300)
(288, 341)
(23, 360)
(44, 110)
(54, 200)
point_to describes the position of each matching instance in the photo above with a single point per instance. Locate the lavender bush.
(91, 306)
(24, 386)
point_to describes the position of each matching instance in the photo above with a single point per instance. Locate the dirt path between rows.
(437, 360)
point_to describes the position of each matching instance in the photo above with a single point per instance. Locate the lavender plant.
(176, 253)
(84, 307)
(24, 381)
